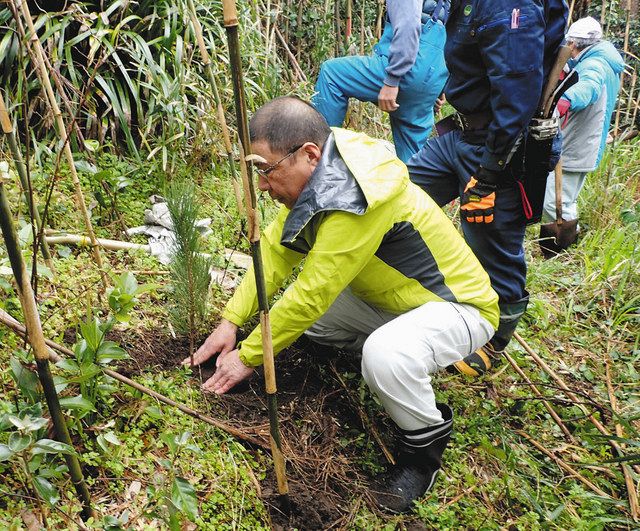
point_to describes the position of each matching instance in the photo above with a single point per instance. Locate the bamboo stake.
(546, 404)
(348, 23)
(542, 364)
(36, 338)
(43, 76)
(226, 137)
(573, 3)
(562, 464)
(628, 479)
(603, 11)
(338, 26)
(231, 27)
(7, 129)
(19, 329)
(623, 75)
(362, 28)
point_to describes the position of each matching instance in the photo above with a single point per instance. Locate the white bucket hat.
(585, 28)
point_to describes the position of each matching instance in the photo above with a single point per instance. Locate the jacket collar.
(331, 186)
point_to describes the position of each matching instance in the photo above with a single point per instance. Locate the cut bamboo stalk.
(599, 426)
(379, 19)
(546, 404)
(226, 137)
(573, 4)
(348, 23)
(628, 479)
(564, 466)
(43, 76)
(296, 66)
(231, 28)
(558, 187)
(362, 28)
(7, 129)
(625, 48)
(41, 354)
(19, 329)
(338, 27)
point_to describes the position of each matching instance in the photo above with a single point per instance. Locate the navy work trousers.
(442, 168)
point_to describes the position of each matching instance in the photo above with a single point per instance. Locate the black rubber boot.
(479, 362)
(416, 467)
(556, 238)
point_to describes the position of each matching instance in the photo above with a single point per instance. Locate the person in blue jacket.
(585, 111)
(404, 76)
(498, 53)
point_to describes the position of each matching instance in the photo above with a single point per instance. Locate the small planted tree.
(189, 266)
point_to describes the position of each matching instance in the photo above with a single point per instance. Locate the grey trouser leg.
(347, 323)
(572, 183)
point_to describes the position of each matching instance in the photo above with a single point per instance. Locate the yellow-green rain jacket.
(361, 223)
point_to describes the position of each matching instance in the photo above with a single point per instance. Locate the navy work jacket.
(499, 53)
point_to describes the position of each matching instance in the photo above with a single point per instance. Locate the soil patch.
(327, 439)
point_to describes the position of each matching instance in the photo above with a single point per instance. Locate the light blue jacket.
(592, 99)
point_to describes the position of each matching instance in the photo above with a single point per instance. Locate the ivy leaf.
(46, 490)
(49, 446)
(19, 441)
(5, 452)
(183, 496)
(79, 403)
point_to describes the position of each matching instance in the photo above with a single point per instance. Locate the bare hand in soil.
(387, 98)
(221, 340)
(229, 372)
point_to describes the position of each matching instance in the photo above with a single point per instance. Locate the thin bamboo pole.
(564, 466)
(348, 24)
(379, 19)
(231, 27)
(36, 338)
(543, 365)
(623, 75)
(19, 329)
(7, 129)
(546, 404)
(226, 137)
(43, 76)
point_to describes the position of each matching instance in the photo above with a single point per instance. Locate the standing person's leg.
(342, 78)
(412, 122)
(555, 238)
(398, 360)
(499, 246)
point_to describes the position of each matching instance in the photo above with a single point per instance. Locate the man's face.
(287, 173)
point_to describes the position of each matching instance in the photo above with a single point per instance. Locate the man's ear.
(312, 152)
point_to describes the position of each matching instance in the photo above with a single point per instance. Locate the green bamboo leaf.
(183, 496)
(46, 490)
(49, 446)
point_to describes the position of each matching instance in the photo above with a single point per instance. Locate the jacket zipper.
(495, 23)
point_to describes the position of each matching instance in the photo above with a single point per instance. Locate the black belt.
(477, 121)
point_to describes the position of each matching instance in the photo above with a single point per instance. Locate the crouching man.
(385, 273)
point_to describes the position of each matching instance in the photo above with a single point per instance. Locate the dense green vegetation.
(144, 115)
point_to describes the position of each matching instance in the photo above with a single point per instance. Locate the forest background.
(550, 440)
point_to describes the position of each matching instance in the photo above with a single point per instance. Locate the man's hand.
(229, 372)
(387, 98)
(222, 340)
(477, 202)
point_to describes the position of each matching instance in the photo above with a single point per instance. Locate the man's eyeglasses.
(264, 172)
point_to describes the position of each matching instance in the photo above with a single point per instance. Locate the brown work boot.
(556, 238)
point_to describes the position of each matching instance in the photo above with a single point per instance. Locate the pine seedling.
(189, 267)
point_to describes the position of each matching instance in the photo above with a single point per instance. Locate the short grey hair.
(582, 43)
(288, 122)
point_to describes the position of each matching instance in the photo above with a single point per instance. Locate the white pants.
(400, 353)
(572, 183)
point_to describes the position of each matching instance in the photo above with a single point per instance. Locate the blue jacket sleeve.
(405, 19)
(513, 57)
(588, 89)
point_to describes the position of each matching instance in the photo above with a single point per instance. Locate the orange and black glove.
(477, 201)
